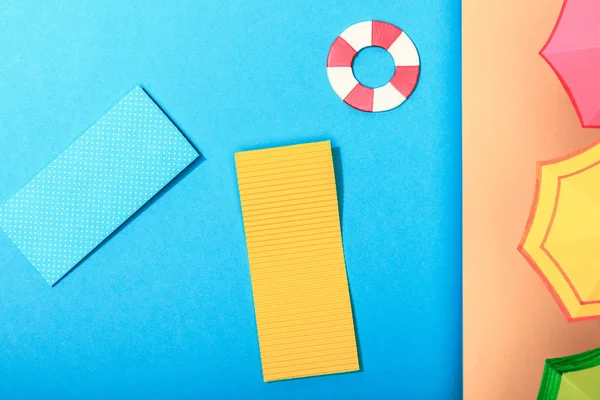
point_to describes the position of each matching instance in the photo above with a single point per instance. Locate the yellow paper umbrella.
(562, 236)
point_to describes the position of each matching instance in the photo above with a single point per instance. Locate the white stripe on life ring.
(403, 51)
(358, 35)
(386, 98)
(342, 80)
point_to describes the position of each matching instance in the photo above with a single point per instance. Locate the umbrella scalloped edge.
(531, 246)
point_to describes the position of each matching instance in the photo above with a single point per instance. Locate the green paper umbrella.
(575, 377)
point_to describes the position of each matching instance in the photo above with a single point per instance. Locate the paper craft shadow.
(336, 154)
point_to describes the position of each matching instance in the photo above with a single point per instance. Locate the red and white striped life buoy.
(366, 34)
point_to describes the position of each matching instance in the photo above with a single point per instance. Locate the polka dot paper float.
(367, 34)
(95, 185)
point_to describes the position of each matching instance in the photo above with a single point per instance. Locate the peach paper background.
(515, 113)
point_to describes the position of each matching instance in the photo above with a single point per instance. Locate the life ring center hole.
(373, 66)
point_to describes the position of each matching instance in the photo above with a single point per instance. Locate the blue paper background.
(164, 308)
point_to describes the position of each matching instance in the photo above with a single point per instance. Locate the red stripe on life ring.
(341, 54)
(384, 34)
(405, 79)
(361, 97)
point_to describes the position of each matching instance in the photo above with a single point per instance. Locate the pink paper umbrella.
(573, 52)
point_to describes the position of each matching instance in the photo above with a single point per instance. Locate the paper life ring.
(365, 34)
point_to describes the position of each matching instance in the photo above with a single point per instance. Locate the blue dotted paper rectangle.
(95, 185)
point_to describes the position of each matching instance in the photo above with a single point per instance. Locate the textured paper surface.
(301, 298)
(94, 185)
(568, 391)
(580, 385)
(515, 113)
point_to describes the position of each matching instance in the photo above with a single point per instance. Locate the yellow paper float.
(301, 297)
(562, 236)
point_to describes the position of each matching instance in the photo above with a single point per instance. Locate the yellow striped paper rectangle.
(301, 298)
